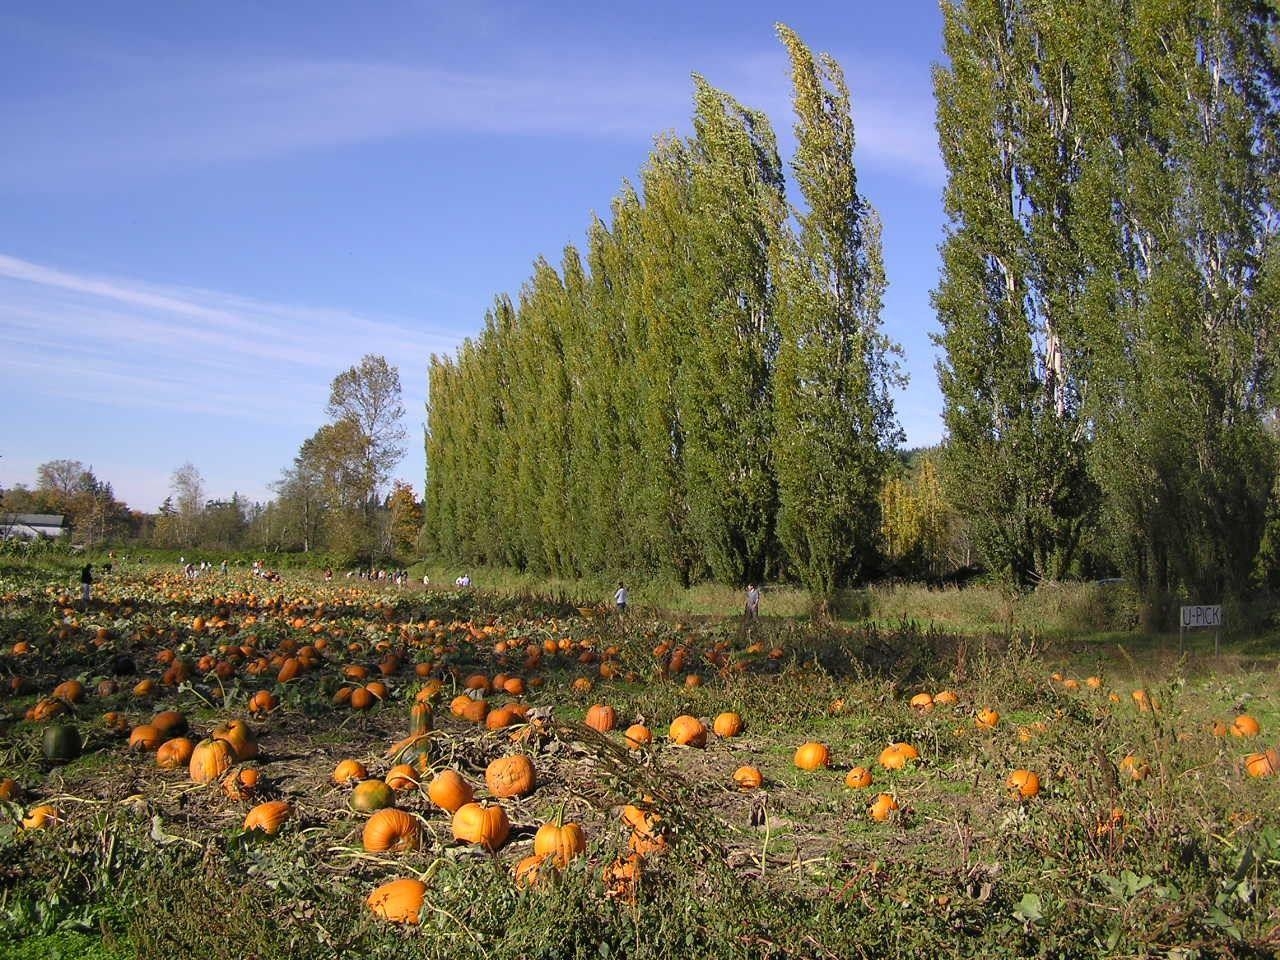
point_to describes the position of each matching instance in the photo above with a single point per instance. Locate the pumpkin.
(420, 718)
(812, 756)
(727, 725)
(449, 791)
(858, 778)
(362, 699)
(511, 776)
(40, 817)
(241, 784)
(622, 877)
(72, 691)
(529, 870)
(637, 735)
(268, 817)
(239, 737)
(467, 708)
(145, 737)
(502, 717)
(602, 717)
(1245, 726)
(688, 731)
(210, 759)
(402, 777)
(174, 753)
(882, 807)
(262, 702)
(348, 770)
(170, 723)
(748, 778)
(1023, 784)
(485, 826)
(398, 901)
(61, 743)
(987, 719)
(1264, 764)
(646, 827)
(922, 702)
(370, 795)
(9, 789)
(391, 830)
(559, 840)
(946, 698)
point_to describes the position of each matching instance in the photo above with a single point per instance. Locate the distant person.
(328, 574)
(620, 599)
(753, 602)
(86, 583)
(426, 580)
(224, 567)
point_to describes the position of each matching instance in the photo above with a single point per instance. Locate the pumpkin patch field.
(233, 768)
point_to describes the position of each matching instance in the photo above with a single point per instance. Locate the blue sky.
(212, 209)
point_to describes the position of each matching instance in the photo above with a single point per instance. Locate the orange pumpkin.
(1245, 726)
(1263, 764)
(268, 817)
(209, 760)
(391, 830)
(727, 725)
(38, 818)
(72, 691)
(484, 826)
(402, 777)
(688, 731)
(602, 717)
(812, 756)
(748, 778)
(922, 702)
(637, 735)
(449, 791)
(398, 901)
(560, 841)
(882, 807)
(145, 737)
(174, 753)
(241, 784)
(511, 776)
(987, 719)
(1023, 784)
(858, 778)
(241, 739)
(348, 770)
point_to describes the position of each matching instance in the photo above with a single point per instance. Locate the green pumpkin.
(61, 743)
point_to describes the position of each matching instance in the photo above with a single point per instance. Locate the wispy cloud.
(161, 116)
(186, 350)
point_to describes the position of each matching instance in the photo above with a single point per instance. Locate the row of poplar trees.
(709, 392)
(706, 392)
(1108, 300)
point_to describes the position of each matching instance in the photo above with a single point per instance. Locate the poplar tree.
(1015, 457)
(834, 421)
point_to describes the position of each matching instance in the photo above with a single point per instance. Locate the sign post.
(1194, 618)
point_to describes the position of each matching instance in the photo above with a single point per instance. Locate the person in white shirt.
(620, 599)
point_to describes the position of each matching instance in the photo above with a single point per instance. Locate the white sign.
(1193, 617)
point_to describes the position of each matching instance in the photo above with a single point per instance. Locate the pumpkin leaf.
(1028, 908)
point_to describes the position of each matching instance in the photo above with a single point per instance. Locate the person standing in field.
(86, 583)
(753, 602)
(620, 599)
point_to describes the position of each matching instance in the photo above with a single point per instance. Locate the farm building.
(29, 526)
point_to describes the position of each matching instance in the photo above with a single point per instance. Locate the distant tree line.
(332, 500)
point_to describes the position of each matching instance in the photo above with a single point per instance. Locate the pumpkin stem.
(560, 812)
